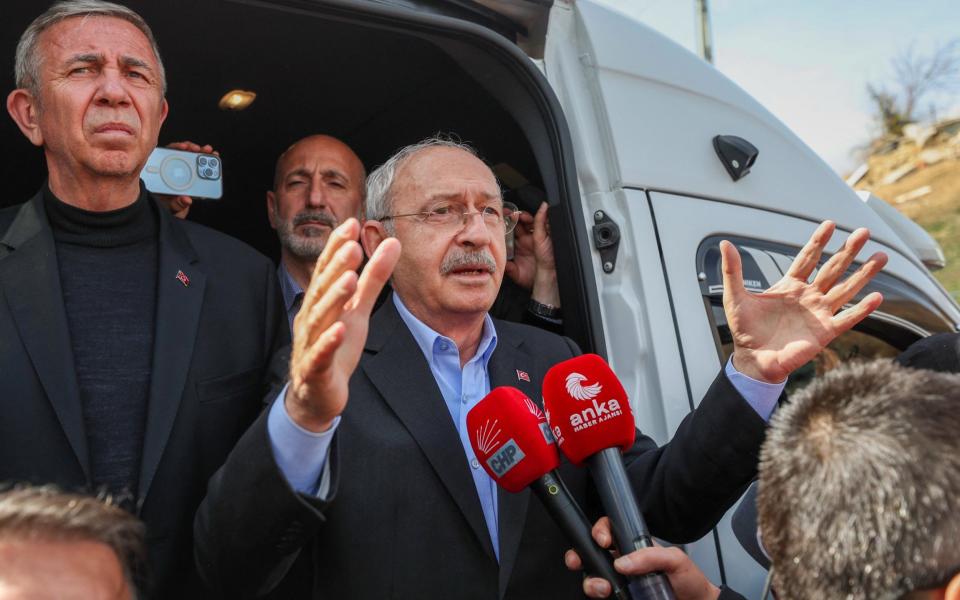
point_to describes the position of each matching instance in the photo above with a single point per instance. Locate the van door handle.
(606, 239)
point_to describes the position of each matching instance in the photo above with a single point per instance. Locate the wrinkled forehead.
(446, 172)
(108, 36)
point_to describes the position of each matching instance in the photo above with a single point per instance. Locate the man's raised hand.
(784, 327)
(331, 328)
(533, 266)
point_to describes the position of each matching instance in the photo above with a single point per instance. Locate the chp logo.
(501, 458)
(487, 436)
(578, 391)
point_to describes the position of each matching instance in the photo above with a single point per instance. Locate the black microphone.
(589, 413)
(555, 496)
(512, 441)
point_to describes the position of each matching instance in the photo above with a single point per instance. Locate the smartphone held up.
(181, 173)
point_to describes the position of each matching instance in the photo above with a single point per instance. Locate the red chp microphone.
(589, 415)
(512, 441)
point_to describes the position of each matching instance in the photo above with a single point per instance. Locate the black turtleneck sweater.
(108, 272)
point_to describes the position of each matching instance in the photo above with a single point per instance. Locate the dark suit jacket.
(213, 341)
(405, 521)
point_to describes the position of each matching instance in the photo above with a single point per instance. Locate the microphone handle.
(629, 528)
(555, 496)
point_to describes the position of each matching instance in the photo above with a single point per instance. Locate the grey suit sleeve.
(241, 550)
(252, 525)
(685, 486)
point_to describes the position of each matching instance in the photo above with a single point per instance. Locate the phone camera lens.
(208, 172)
(213, 163)
(203, 161)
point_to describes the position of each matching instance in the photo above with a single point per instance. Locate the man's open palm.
(776, 331)
(331, 328)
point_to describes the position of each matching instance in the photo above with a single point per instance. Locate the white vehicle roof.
(665, 105)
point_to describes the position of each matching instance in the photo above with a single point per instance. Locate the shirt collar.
(288, 286)
(427, 339)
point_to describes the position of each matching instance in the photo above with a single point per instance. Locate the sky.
(809, 61)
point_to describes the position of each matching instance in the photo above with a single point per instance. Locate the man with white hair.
(388, 498)
(319, 182)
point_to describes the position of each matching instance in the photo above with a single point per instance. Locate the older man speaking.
(133, 344)
(396, 504)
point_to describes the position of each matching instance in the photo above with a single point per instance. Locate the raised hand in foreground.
(784, 327)
(331, 328)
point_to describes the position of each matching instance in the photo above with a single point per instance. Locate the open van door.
(643, 113)
(692, 263)
(523, 22)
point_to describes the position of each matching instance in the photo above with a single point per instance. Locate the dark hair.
(46, 514)
(859, 484)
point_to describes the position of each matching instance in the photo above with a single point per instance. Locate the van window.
(904, 317)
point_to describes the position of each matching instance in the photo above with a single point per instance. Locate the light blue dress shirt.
(761, 396)
(292, 293)
(300, 454)
(461, 389)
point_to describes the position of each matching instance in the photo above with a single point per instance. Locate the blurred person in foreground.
(859, 480)
(56, 546)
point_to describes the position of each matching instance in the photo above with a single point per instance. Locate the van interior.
(362, 72)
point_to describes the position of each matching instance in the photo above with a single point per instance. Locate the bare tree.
(887, 110)
(916, 77)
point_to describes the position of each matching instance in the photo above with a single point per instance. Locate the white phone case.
(180, 173)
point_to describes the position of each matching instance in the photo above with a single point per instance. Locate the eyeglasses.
(451, 216)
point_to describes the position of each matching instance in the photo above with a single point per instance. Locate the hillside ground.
(938, 212)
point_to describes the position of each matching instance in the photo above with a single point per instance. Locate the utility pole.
(704, 37)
